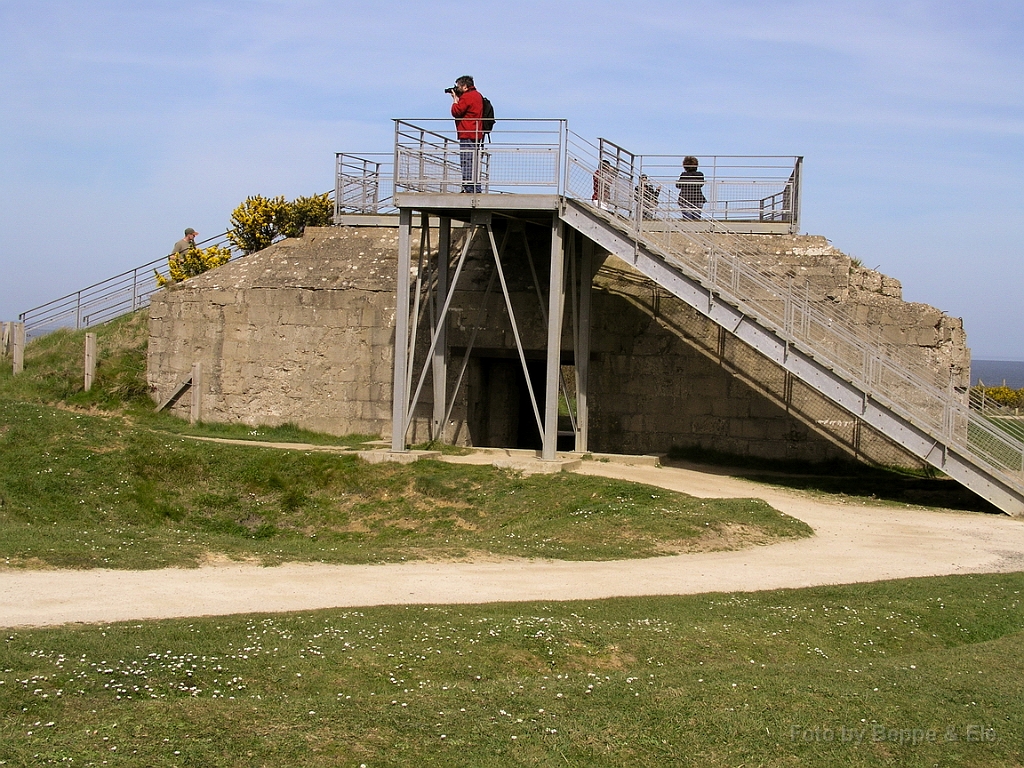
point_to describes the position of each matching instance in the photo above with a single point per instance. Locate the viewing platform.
(530, 164)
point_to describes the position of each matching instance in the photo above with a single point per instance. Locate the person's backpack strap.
(487, 124)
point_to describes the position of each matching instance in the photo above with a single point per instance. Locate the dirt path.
(852, 544)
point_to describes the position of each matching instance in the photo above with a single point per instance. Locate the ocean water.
(995, 372)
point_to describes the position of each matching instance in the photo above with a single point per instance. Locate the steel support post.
(440, 358)
(556, 304)
(399, 388)
(582, 352)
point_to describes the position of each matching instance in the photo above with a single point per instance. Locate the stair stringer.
(847, 432)
(917, 441)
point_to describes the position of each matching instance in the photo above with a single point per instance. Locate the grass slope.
(917, 672)
(96, 479)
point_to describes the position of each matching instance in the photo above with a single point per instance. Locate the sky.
(123, 123)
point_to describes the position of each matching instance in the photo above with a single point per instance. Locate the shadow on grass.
(895, 485)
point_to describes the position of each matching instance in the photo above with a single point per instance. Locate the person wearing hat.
(185, 243)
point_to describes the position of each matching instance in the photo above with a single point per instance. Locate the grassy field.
(912, 673)
(923, 672)
(97, 480)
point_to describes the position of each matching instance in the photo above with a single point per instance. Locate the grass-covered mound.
(96, 479)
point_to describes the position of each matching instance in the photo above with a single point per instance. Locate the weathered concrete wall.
(664, 375)
(303, 332)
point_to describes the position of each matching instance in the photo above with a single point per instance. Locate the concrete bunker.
(303, 332)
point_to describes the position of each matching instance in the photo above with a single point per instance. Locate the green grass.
(96, 480)
(913, 673)
(82, 490)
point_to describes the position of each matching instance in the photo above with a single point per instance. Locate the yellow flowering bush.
(194, 261)
(258, 222)
(302, 212)
(1012, 398)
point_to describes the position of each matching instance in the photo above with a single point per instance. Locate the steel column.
(400, 393)
(556, 304)
(440, 357)
(582, 353)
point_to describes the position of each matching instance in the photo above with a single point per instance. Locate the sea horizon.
(994, 373)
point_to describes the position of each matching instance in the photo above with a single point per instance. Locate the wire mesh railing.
(923, 394)
(522, 156)
(1005, 417)
(364, 184)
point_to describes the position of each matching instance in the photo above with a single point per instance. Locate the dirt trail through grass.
(853, 543)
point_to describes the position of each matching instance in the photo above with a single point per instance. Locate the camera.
(449, 90)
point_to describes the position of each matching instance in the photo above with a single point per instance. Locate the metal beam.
(582, 353)
(440, 359)
(552, 374)
(399, 391)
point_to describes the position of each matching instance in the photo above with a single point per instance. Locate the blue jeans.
(469, 156)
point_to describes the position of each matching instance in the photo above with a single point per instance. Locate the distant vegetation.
(1003, 395)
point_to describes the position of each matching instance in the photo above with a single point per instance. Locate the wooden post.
(5, 339)
(90, 360)
(197, 389)
(18, 341)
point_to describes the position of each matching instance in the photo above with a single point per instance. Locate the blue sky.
(121, 124)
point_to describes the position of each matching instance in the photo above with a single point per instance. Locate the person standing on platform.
(691, 189)
(604, 180)
(468, 111)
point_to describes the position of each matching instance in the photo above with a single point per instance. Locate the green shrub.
(258, 222)
(194, 261)
(302, 212)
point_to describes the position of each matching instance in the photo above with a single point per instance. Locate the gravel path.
(852, 544)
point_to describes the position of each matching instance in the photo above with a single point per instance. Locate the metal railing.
(363, 183)
(522, 156)
(923, 394)
(105, 300)
(1006, 418)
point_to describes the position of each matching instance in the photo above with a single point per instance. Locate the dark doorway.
(500, 412)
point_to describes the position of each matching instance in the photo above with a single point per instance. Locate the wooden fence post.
(197, 397)
(5, 339)
(18, 341)
(90, 360)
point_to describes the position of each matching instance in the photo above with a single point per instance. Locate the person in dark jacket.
(691, 192)
(468, 111)
(647, 195)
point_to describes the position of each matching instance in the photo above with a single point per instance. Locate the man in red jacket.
(468, 111)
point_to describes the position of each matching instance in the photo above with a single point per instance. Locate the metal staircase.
(596, 190)
(909, 403)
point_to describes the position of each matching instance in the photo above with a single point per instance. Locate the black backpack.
(487, 124)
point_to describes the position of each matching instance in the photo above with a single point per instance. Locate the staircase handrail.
(885, 375)
(108, 299)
